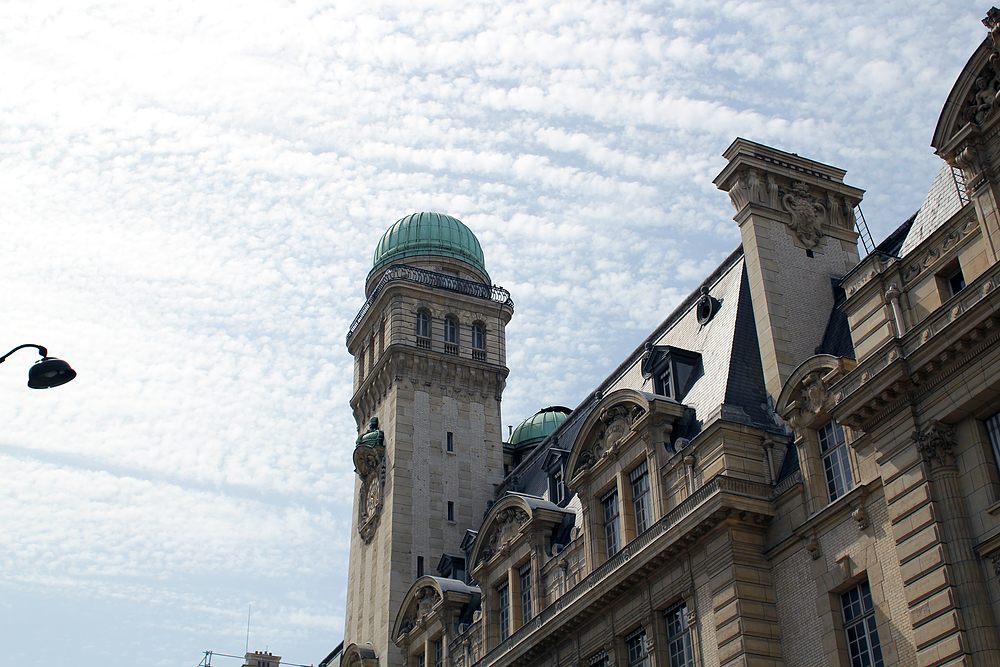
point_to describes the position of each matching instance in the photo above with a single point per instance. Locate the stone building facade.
(799, 466)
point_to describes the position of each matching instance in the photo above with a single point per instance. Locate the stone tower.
(429, 371)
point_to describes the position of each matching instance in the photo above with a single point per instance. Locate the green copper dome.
(429, 234)
(537, 427)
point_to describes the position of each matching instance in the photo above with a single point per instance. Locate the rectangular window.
(836, 462)
(420, 660)
(525, 574)
(438, 652)
(664, 388)
(956, 282)
(993, 427)
(639, 479)
(503, 607)
(611, 533)
(451, 511)
(679, 651)
(560, 490)
(450, 442)
(599, 660)
(860, 628)
(420, 566)
(635, 647)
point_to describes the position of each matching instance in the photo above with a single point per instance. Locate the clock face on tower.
(370, 500)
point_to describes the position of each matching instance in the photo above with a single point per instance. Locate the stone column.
(969, 606)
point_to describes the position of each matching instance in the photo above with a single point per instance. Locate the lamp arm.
(41, 351)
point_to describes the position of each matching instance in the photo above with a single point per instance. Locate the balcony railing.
(411, 274)
(715, 486)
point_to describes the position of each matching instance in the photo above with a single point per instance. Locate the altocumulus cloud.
(192, 192)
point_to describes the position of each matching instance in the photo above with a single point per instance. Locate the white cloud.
(192, 192)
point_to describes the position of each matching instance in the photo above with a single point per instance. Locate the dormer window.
(673, 370)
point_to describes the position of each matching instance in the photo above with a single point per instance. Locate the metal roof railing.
(411, 274)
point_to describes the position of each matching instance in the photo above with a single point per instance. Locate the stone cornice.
(400, 361)
(907, 369)
(933, 250)
(721, 498)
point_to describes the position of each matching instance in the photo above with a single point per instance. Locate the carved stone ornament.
(614, 426)
(813, 398)
(748, 188)
(506, 528)
(427, 597)
(369, 464)
(812, 546)
(936, 444)
(984, 98)
(860, 515)
(808, 212)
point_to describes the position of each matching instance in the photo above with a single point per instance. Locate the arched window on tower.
(478, 342)
(450, 336)
(423, 330)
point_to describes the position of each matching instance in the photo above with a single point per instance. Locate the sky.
(190, 196)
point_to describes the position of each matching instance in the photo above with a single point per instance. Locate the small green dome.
(537, 427)
(429, 234)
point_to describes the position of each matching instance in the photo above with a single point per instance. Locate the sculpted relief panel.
(808, 211)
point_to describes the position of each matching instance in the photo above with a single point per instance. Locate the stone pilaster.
(743, 601)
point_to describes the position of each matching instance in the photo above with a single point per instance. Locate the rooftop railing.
(411, 274)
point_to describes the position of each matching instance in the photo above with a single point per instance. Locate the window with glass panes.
(450, 331)
(993, 428)
(639, 480)
(420, 660)
(438, 652)
(612, 539)
(599, 660)
(423, 325)
(503, 606)
(860, 627)
(679, 651)
(635, 647)
(525, 575)
(836, 462)
(478, 337)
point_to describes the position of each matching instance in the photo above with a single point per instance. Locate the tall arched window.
(423, 330)
(478, 342)
(450, 336)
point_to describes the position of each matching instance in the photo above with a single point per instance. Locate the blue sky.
(192, 192)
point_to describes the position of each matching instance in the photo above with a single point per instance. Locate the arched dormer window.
(450, 335)
(478, 342)
(423, 330)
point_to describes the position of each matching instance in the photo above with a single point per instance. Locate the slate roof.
(940, 204)
(730, 386)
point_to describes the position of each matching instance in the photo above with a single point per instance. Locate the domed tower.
(529, 433)
(429, 371)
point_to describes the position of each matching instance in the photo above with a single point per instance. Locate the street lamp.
(47, 371)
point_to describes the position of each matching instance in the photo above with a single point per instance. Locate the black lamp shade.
(49, 372)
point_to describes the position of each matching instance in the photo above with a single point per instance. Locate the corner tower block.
(429, 371)
(796, 217)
